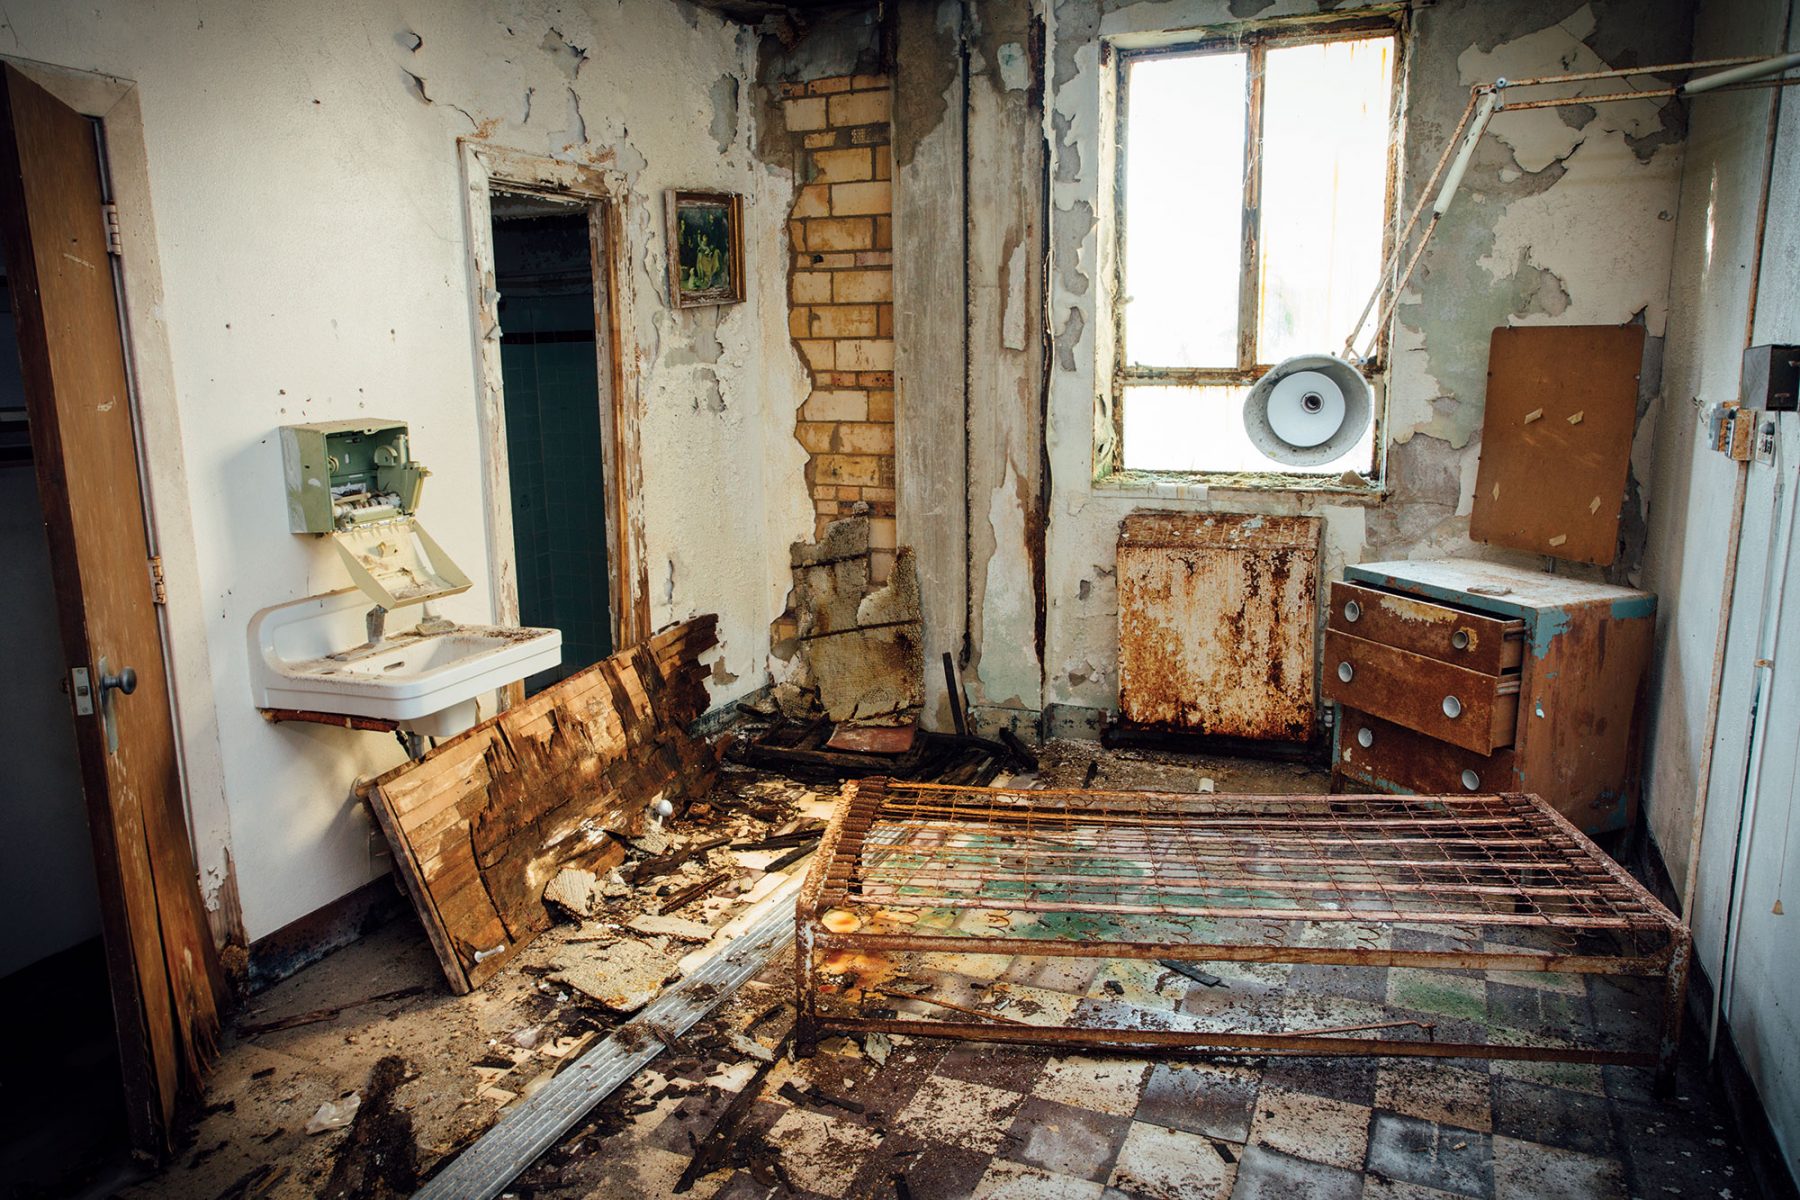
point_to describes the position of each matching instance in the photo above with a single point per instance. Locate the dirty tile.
(1569, 1076)
(1034, 1005)
(1267, 1174)
(819, 1152)
(1137, 982)
(1571, 1120)
(1433, 1091)
(1446, 993)
(1368, 984)
(1072, 975)
(1376, 1188)
(1311, 1127)
(1014, 1068)
(1538, 1010)
(1545, 1173)
(1200, 1098)
(1108, 1085)
(1351, 1080)
(929, 1170)
(971, 966)
(1064, 1139)
(1167, 1164)
(1459, 1161)
(1016, 1181)
(958, 1113)
(1556, 981)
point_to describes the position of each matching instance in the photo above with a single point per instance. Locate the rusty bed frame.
(907, 867)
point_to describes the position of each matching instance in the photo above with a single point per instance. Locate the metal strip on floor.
(482, 1171)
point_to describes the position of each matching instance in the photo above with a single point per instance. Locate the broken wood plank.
(483, 1171)
(485, 820)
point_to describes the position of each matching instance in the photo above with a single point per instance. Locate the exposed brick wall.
(841, 297)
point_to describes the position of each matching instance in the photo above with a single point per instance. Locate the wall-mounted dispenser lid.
(397, 563)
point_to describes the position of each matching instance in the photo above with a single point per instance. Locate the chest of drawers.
(1457, 675)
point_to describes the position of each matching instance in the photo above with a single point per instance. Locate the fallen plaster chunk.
(679, 928)
(623, 979)
(877, 1046)
(749, 1047)
(574, 890)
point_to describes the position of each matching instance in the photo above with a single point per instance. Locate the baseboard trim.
(305, 941)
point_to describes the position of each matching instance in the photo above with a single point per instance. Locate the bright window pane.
(1184, 171)
(1202, 429)
(1324, 199)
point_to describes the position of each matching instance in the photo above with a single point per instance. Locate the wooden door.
(167, 986)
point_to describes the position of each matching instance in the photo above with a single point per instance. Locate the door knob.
(125, 681)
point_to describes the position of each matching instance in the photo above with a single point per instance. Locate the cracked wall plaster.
(347, 291)
(1565, 219)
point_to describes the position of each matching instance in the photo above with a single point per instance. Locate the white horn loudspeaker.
(1308, 410)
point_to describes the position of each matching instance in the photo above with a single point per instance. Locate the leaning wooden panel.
(484, 821)
(1556, 439)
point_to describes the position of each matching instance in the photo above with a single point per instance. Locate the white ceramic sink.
(312, 655)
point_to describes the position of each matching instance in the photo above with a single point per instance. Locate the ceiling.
(753, 12)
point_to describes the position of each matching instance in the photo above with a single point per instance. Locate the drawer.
(1452, 704)
(1471, 640)
(1384, 757)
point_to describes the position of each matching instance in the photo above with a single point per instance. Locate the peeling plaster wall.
(1560, 221)
(308, 196)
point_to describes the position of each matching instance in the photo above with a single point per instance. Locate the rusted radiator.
(1217, 613)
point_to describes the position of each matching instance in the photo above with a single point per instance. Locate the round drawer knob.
(1352, 610)
(1365, 737)
(1452, 707)
(1346, 672)
(1459, 640)
(1471, 781)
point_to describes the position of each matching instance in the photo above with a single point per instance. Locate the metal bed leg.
(1674, 1010)
(806, 998)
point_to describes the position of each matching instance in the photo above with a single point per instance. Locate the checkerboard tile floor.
(942, 1120)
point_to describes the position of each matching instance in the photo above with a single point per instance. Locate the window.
(1253, 218)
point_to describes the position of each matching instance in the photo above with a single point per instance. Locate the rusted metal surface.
(1465, 708)
(1471, 640)
(1377, 755)
(873, 739)
(1216, 624)
(276, 716)
(927, 868)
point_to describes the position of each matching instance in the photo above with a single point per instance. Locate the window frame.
(1255, 42)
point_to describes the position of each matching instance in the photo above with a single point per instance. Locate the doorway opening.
(62, 1099)
(555, 400)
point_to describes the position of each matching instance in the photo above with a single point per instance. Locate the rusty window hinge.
(159, 591)
(114, 243)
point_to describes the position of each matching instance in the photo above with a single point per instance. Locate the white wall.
(308, 203)
(1750, 833)
(1559, 222)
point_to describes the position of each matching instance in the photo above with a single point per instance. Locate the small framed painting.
(706, 248)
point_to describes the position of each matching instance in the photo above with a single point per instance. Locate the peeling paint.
(1565, 217)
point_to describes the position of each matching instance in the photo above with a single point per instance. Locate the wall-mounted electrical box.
(356, 482)
(1771, 378)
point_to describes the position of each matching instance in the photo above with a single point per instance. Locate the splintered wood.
(484, 821)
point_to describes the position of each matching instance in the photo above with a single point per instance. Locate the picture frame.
(706, 248)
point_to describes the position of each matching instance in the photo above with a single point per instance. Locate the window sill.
(1200, 487)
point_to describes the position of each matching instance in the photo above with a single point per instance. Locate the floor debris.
(624, 979)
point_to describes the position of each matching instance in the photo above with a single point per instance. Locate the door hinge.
(159, 590)
(114, 243)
